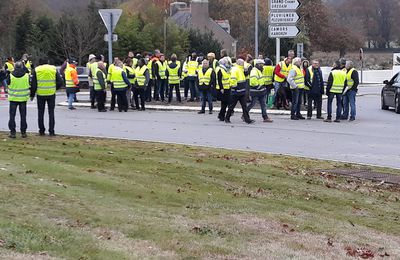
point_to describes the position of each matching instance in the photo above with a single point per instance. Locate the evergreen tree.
(23, 29)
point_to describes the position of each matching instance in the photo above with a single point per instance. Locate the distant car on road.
(390, 96)
(83, 76)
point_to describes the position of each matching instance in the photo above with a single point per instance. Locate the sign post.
(110, 18)
(282, 22)
(300, 50)
(362, 64)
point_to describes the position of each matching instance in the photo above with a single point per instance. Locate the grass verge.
(83, 198)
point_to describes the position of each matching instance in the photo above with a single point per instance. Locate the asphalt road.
(374, 138)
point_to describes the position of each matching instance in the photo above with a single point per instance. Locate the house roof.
(183, 18)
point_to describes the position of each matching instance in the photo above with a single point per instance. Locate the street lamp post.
(256, 30)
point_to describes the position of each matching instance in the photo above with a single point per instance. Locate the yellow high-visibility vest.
(18, 90)
(46, 80)
(205, 78)
(339, 79)
(284, 71)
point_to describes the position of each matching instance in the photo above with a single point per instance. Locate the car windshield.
(396, 78)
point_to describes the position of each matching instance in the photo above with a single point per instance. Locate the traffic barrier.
(3, 95)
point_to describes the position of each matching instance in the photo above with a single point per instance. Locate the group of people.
(142, 78)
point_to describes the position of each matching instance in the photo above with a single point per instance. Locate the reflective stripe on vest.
(96, 82)
(173, 74)
(117, 79)
(268, 73)
(284, 71)
(19, 88)
(192, 67)
(350, 81)
(256, 84)
(205, 78)
(299, 78)
(162, 68)
(46, 80)
(140, 76)
(339, 79)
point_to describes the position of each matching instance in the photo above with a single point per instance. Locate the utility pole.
(256, 31)
(165, 25)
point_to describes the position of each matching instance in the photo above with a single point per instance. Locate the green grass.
(79, 198)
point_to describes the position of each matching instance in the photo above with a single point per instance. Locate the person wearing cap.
(334, 89)
(71, 83)
(280, 82)
(18, 95)
(238, 90)
(350, 93)
(296, 82)
(212, 61)
(223, 86)
(258, 90)
(207, 80)
(92, 62)
(45, 83)
(100, 86)
(120, 83)
(174, 73)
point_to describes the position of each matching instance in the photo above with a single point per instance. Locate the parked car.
(390, 96)
(83, 76)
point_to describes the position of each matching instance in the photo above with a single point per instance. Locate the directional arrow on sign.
(283, 5)
(283, 31)
(283, 18)
(110, 17)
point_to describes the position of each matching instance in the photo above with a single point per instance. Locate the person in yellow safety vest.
(334, 88)
(223, 86)
(120, 83)
(247, 69)
(45, 82)
(212, 61)
(174, 73)
(100, 86)
(280, 82)
(141, 82)
(130, 73)
(238, 90)
(9, 65)
(349, 95)
(18, 95)
(131, 55)
(207, 80)
(192, 67)
(296, 82)
(91, 67)
(109, 82)
(27, 63)
(258, 90)
(184, 79)
(71, 83)
(160, 68)
(268, 76)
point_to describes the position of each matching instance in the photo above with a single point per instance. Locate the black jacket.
(316, 84)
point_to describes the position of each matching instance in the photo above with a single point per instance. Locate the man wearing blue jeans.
(258, 90)
(335, 87)
(296, 82)
(349, 96)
